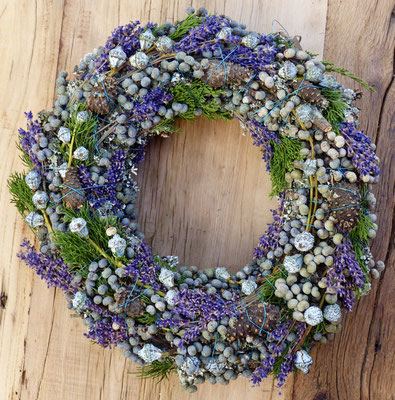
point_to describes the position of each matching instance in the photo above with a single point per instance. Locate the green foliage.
(198, 95)
(83, 133)
(312, 55)
(342, 71)
(147, 319)
(156, 370)
(166, 126)
(75, 250)
(361, 229)
(334, 113)
(24, 157)
(284, 154)
(280, 41)
(183, 27)
(21, 194)
(267, 289)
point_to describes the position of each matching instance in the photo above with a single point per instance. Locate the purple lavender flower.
(53, 270)
(103, 333)
(359, 147)
(286, 368)
(271, 238)
(344, 259)
(149, 104)
(126, 36)
(262, 138)
(263, 370)
(28, 139)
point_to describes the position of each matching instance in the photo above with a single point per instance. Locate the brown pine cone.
(102, 95)
(73, 198)
(345, 205)
(133, 308)
(256, 313)
(215, 75)
(309, 93)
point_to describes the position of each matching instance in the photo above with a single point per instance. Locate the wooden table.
(204, 197)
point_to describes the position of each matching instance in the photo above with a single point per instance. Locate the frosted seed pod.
(337, 238)
(307, 258)
(342, 152)
(164, 44)
(313, 316)
(40, 199)
(321, 171)
(289, 53)
(117, 245)
(116, 57)
(269, 82)
(315, 292)
(150, 353)
(139, 60)
(78, 226)
(222, 273)
(250, 40)
(319, 259)
(33, 179)
(332, 313)
(298, 316)
(304, 241)
(64, 134)
(303, 361)
(309, 64)
(327, 251)
(34, 219)
(294, 263)
(339, 141)
(304, 112)
(351, 176)
(82, 116)
(283, 289)
(81, 153)
(329, 261)
(292, 304)
(303, 305)
(288, 71)
(314, 74)
(263, 75)
(295, 289)
(166, 276)
(307, 287)
(380, 265)
(147, 39)
(248, 287)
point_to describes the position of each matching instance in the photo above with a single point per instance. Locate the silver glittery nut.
(309, 167)
(288, 71)
(166, 277)
(34, 219)
(303, 361)
(332, 313)
(40, 199)
(224, 32)
(222, 273)
(149, 353)
(78, 226)
(170, 297)
(313, 316)
(117, 245)
(250, 41)
(81, 153)
(314, 74)
(33, 179)
(116, 57)
(79, 301)
(164, 44)
(293, 264)
(304, 112)
(191, 366)
(139, 60)
(82, 116)
(304, 241)
(248, 287)
(147, 39)
(64, 134)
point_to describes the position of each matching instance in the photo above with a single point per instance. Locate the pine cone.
(310, 94)
(102, 94)
(133, 308)
(345, 205)
(256, 313)
(72, 198)
(215, 75)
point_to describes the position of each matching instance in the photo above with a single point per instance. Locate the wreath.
(78, 197)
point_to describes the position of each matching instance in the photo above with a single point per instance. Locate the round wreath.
(79, 193)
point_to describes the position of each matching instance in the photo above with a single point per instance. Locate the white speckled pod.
(139, 60)
(82, 116)
(304, 241)
(332, 313)
(150, 353)
(303, 361)
(117, 245)
(224, 32)
(164, 44)
(191, 365)
(81, 153)
(64, 134)
(288, 71)
(222, 273)
(250, 41)
(33, 179)
(310, 167)
(34, 219)
(79, 301)
(304, 112)
(116, 57)
(248, 287)
(166, 277)
(313, 316)
(78, 226)
(294, 263)
(147, 39)
(40, 199)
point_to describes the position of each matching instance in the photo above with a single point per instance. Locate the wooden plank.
(360, 362)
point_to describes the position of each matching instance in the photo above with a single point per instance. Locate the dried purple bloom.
(53, 270)
(263, 370)
(286, 368)
(28, 139)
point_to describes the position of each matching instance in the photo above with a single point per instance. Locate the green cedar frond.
(334, 113)
(284, 154)
(21, 194)
(147, 319)
(156, 370)
(183, 27)
(24, 157)
(342, 71)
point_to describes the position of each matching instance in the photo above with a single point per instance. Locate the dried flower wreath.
(78, 198)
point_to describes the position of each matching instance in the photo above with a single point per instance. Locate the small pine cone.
(258, 314)
(233, 74)
(102, 95)
(73, 198)
(309, 93)
(345, 205)
(133, 308)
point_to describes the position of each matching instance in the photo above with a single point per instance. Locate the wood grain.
(203, 197)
